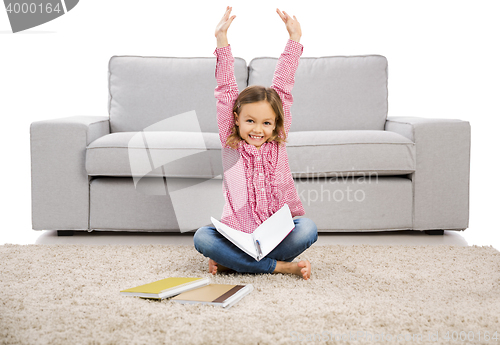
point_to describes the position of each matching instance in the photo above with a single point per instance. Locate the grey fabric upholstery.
(59, 181)
(333, 92)
(127, 154)
(327, 153)
(142, 168)
(441, 177)
(145, 90)
(349, 153)
(118, 204)
(365, 203)
(368, 204)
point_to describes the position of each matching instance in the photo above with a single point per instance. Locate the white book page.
(240, 239)
(274, 229)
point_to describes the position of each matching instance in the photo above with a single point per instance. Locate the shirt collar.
(251, 149)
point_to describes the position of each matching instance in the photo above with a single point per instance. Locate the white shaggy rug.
(69, 294)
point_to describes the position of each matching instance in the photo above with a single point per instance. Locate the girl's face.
(256, 122)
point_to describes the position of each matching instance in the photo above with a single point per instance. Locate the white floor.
(468, 237)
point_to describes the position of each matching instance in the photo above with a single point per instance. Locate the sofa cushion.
(155, 154)
(349, 153)
(337, 92)
(191, 155)
(144, 90)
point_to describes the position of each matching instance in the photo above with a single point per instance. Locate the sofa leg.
(65, 232)
(434, 232)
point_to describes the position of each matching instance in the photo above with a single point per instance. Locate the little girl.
(253, 127)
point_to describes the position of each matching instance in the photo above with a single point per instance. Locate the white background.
(443, 56)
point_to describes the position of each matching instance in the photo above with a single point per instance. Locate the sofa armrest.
(441, 177)
(59, 181)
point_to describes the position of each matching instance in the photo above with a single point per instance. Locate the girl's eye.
(266, 123)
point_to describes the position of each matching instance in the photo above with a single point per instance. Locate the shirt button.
(258, 158)
(262, 190)
(260, 174)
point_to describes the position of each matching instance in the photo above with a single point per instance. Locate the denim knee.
(202, 239)
(309, 230)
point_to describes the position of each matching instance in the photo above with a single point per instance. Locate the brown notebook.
(224, 295)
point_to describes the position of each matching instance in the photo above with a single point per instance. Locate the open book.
(265, 238)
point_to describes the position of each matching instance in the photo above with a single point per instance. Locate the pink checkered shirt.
(257, 183)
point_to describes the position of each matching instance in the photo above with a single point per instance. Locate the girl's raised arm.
(284, 75)
(221, 28)
(292, 25)
(226, 91)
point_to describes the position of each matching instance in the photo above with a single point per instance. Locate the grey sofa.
(154, 163)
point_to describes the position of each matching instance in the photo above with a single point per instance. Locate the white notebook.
(265, 238)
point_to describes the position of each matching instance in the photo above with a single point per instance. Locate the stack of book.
(199, 290)
(191, 291)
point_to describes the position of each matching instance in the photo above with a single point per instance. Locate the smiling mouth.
(256, 137)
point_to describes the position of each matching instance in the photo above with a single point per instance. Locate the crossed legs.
(224, 255)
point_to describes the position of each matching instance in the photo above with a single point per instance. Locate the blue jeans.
(209, 242)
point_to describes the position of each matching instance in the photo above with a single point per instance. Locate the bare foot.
(213, 267)
(305, 269)
(301, 268)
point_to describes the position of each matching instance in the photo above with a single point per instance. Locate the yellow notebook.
(224, 295)
(166, 287)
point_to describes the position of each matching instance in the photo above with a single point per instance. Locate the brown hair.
(257, 93)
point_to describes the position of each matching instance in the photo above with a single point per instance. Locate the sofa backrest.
(330, 93)
(334, 92)
(144, 90)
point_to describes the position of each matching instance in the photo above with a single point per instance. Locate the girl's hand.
(224, 23)
(292, 25)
